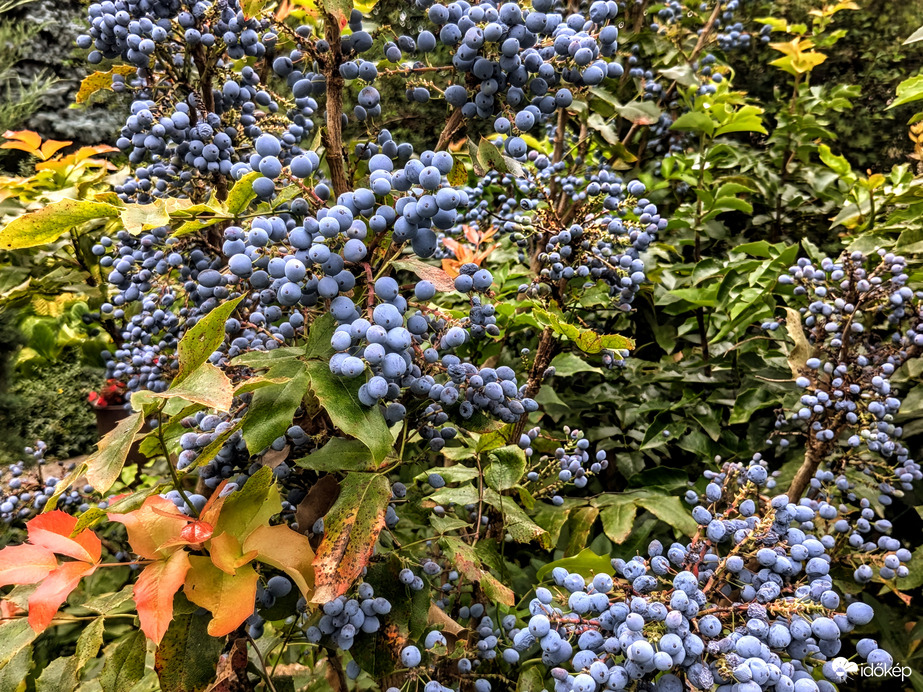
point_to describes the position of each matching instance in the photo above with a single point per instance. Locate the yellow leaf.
(101, 80)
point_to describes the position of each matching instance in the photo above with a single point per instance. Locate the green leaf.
(272, 408)
(586, 339)
(105, 464)
(125, 667)
(681, 74)
(569, 364)
(15, 635)
(339, 455)
(507, 466)
(340, 399)
(907, 91)
(586, 564)
(490, 157)
(694, 121)
(187, 655)
(451, 474)
(749, 402)
(240, 196)
(51, 222)
(62, 674)
(669, 509)
(581, 522)
(838, 164)
(250, 507)
(640, 112)
(618, 520)
(318, 343)
(13, 675)
(351, 529)
(446, 524)
(464, 558)
(200, 342)
(517, 523)
(206, 385)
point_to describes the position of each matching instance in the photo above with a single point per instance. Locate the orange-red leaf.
(227, 554)
(53, 591)
(52, 530)
(24, 140)
(25, 564)
(50, 146)
(286, 550)
(154, 592)
(196, 532)
(152, 526)
(228, 598)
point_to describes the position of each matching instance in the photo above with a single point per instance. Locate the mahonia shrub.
(336, 331)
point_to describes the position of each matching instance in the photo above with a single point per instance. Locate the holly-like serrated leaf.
(340, 399)
(507, 465)
(25, 564)
(125, 667)
(586, 339)
(351, 528)
(187, 655)
(436, 276)
(618, 520)
(140, 217)
(15, 635)
(101, 80)
(54, 590)
(339, 455)
(51, 222)
(286, 550)
(153, 527)
(206, 385)
(490, 157)
(105, 464)
(640, 112)
(201, 341)
(228, 598)
(154, 591)
(458, 176)
(586, 564)
(247, 509)
(464, 558)
(272, 408)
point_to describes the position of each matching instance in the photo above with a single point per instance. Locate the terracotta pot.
(107, 417)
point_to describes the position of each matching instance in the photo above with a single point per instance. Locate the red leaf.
(51, 593)
(154, 593)
(52, 530)
(196, 532)
(153, 525)
(25, 564)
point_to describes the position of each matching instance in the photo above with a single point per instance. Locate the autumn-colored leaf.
(25, 564)
(52, 531)
(228, 598)
(105, 464)
(287, 550)
(153, 525)
(23, 140)
(154, 592)
(54, 590)
(227, 555)
(351, 529)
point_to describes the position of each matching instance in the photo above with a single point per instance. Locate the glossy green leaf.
(200, 342)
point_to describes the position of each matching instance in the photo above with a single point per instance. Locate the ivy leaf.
(286, 550)
(200, 342)
(154, 591)
(351, 528)
(228, 598)
(125, 667)
(51, 222)
(105, 464)
(339, 398)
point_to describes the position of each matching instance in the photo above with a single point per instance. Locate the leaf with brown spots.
(466, 561)
(351, 528)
